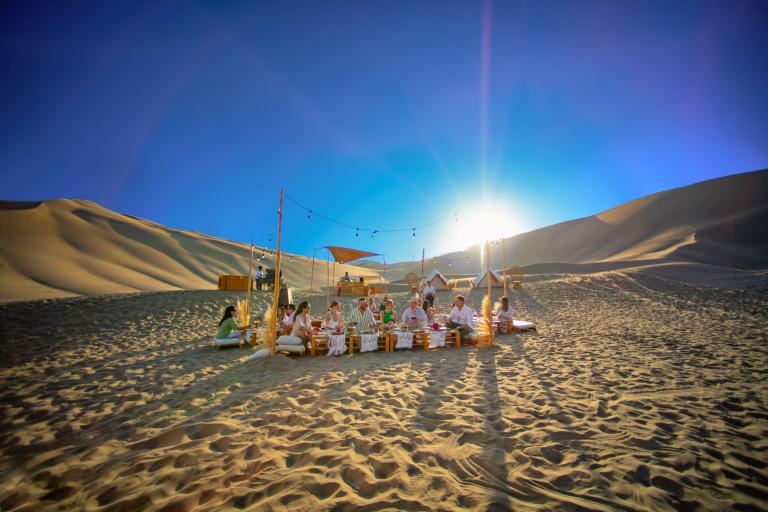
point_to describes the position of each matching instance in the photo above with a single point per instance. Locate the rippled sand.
(638, 392)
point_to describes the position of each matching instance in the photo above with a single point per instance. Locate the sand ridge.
(638, 393)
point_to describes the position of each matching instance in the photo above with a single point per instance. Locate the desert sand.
(639, 392)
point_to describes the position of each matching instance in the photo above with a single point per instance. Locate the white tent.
(481, 279)
(439, 282)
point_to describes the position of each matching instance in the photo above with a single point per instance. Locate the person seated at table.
(346, 277)
(287, 321)
(461, 317)
(228, 327)
(388, 314)
(334, 321)
(302, 323)
(431, 314)
(383, 304)
(503, 315)
(362, 317)
(414, 316)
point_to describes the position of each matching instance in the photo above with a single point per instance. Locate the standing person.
(228, 327)
(429, 294)
(461, 317)
(361, 316)
(259, 277)
(302, 323)
(334, 321)
(504, 316)
(414, 316)
(346, 277)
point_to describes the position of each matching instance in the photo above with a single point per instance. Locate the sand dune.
(637, 393)
(717, 222)
(66, 247)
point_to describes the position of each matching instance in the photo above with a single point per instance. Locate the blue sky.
(514, 115)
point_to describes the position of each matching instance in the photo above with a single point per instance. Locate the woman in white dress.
(302, 323)
(334, 321)
(504, 316)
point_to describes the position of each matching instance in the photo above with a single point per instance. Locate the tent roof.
(435, 273)
(481, 275)
(345, 255)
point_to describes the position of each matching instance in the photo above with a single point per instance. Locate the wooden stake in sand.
(421, 289)
(504, 257)
(488, 308)
(276, 294)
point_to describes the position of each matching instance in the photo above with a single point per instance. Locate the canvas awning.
(345, 255)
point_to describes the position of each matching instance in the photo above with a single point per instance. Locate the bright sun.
(487, 221)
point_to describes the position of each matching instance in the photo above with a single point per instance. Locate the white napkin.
(369, 343)
(404, 340)
(436, 338)
(337, 344)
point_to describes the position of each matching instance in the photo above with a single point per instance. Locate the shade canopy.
(345, 255)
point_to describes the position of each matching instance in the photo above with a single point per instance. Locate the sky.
(482, 119)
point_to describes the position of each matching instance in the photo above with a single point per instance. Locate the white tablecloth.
(337, 344)
(436, 338)
(369, 342)
(404, 339)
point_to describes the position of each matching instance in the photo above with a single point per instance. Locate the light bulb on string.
(357, 231)
(309, 215)
(414, 232)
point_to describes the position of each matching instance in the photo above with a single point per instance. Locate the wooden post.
(504, 257)
(327, 280)
(276, 294)
(384, 257)
(333, 280)
(250, 287)
(421, 290)
(488, 277)
(312, 272)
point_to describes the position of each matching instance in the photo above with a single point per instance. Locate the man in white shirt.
(259, 277)
(429, 294)
(362, 317)
(414, 316)
(461, 317)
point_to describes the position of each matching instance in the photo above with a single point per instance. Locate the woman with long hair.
(302, 323)
(228, 328)
(334, 321)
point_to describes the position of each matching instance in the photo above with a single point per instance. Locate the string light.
(311, 212)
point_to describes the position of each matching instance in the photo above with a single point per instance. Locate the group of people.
(295, 323)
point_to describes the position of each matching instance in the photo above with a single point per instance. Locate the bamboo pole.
(422, 271)
(327, 280)
(384, 257)
(506, 266)
(312, 272)
(248, 299)
(488, 278)
(276, 293)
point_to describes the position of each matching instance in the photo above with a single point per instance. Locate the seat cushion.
(294, 349)
(289, 340)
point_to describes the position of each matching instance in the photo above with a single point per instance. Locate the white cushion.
(523, 326)
(259, 354)
(296, 349)
(226, 342)
(289, 340)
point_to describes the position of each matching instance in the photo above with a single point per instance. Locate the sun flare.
(486, 221)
